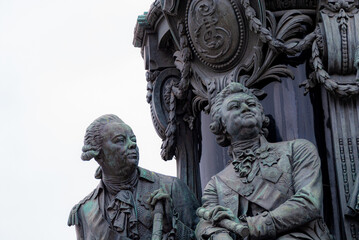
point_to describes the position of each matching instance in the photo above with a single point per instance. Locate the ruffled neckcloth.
(121, 207)
(244, 156)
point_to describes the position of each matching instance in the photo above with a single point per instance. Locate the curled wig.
(93, 136)
(217, 126)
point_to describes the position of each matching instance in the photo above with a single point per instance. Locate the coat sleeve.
(205, 229)
(185, 205)
(302, 207)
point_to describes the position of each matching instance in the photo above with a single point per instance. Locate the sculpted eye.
(118, 140)
(251, 104)
(232, 106)
(133, 139)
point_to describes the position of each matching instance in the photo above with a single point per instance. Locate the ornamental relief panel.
(210, 43)
(216, 31)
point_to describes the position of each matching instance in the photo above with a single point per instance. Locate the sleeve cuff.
(261, 227)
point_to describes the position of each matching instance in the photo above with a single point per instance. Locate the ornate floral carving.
(260, 71)
(282, 36)
(285, 31)
(289, 47)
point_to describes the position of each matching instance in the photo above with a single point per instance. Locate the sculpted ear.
(266, 121)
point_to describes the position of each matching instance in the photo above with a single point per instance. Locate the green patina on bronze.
(270, 190)
(130, 202)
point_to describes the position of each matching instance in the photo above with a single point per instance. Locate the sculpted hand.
(223, 220)
(218, 213)
(162, 196)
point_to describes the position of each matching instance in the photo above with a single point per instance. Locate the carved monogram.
(213, 41)
(215, 29)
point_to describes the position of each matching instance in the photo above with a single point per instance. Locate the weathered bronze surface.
(192, 49)
(272, 189)
(130, 202)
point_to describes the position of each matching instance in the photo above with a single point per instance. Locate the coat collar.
(146, 174)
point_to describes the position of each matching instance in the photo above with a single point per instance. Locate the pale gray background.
(64, 63)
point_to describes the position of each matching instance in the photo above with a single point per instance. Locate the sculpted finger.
(159, 195)
(153, 194)
(220, 216)
(215, 211)
(154, 200)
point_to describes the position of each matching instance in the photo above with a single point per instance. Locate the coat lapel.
(147, 183)
(259, 191)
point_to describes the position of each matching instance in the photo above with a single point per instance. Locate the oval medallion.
(216, 31)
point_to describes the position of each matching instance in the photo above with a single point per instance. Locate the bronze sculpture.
(122, 206)
(265, 44)
(270, 190)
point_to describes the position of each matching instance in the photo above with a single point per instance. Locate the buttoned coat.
(88, 215)
(284, 193)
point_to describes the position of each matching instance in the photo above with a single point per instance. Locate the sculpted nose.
(131, 145)
(244, 107)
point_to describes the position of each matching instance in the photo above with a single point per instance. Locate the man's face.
(119, 148)
(242, 116)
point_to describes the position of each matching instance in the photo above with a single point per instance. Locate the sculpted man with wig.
(122, 206)
(269, 190)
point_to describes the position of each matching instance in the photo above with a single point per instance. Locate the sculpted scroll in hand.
(270, 190)
(125, 203)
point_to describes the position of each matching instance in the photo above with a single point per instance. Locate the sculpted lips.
(248, 114)
(132, 155)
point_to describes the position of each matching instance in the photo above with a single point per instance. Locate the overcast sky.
(64, 63)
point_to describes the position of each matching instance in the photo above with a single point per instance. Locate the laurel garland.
(167, 147)
(321, 76)
(177, 90)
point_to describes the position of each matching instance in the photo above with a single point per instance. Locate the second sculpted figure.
(270, 190)
(130, 203)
